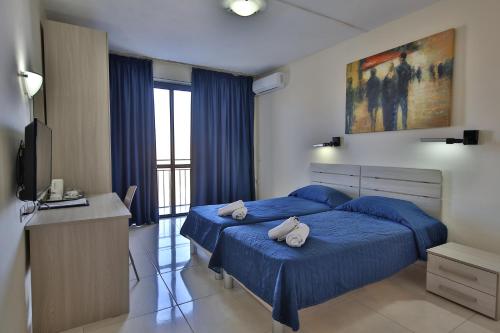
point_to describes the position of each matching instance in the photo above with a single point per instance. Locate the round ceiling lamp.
(244, 7)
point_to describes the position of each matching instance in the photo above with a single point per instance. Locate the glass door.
(173, 153)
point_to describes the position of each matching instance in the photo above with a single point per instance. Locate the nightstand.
(466, 276)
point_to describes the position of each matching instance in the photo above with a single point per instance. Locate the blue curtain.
(222, 124)
(133, 142)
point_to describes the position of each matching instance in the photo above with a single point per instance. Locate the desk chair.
(128, 202)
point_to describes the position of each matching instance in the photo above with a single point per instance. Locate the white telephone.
(56, 190)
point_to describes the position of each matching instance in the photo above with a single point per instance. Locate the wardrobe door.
(77, 97)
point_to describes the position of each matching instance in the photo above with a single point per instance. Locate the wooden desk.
(79, 264)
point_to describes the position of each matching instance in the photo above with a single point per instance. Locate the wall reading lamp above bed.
(470, 138)
(336, 142)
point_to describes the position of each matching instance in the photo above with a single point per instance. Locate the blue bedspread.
(344, 251)
(203, 225)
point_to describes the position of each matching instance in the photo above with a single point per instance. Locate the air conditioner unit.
(269, 83)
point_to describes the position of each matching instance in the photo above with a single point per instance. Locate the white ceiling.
(200, 32)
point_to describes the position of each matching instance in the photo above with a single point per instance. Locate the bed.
(370, 239)
(203, 226)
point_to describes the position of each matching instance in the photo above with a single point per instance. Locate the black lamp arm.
(336, 142)
(471, 137)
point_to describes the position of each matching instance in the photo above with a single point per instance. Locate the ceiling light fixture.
(244, 7)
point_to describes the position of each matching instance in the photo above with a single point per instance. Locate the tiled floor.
(177, 293)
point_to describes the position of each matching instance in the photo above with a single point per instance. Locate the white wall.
(312, 109)
(20, 50)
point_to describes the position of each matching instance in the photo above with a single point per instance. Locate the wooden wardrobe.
(77, 105)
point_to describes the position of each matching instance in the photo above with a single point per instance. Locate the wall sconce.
(32, 82)
(334, 143)
(471, 137)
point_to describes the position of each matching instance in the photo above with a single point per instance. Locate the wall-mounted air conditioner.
(269, 83)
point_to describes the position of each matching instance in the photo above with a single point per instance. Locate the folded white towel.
(298, 236)
(229, 209)
(283, 237)
(284, 228)
(240, 213)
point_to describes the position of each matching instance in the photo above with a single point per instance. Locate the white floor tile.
(144, 238)
(416, 311)
(144, 265)
(148, 295)
(139, 232)
(165, 321)
(166, 242)
(346, 316)
(412, 278)
(227, 312)
(479, 324)
(192, 283)
(171, 259)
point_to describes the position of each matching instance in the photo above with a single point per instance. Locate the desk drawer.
(458, 293)
(470, 276)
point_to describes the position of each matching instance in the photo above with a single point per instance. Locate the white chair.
(129, 197)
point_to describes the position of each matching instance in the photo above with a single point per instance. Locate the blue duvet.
(204, 226)
(344, 251)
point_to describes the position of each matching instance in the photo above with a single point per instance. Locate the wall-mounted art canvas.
(407, 87)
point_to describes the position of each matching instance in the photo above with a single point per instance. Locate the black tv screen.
(37, 161)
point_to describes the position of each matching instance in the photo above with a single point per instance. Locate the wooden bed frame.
(423, 187)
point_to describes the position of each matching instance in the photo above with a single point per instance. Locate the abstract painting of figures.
(408, 87)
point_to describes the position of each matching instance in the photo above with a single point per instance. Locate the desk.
(79, 264)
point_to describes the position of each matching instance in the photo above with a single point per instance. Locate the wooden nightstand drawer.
(469, 297)
(470, 276)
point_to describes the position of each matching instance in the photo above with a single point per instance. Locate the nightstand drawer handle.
(459, 274)
(458, 294)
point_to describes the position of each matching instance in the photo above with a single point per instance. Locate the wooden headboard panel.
(421, 186)
(343, 177)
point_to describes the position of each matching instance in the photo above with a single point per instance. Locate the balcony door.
(173, 154)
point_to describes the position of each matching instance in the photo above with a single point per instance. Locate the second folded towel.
(298, 236)
(284, 228)
(240, 213)
(230, 208)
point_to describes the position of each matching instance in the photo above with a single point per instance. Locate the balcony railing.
(181, 189)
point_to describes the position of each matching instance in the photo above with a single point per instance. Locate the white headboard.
(420, 186)
(343, 177)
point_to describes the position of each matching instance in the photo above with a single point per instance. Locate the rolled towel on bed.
(298, 236)
(240, 213)
(282, 238)
(284, 228)
(229, 209)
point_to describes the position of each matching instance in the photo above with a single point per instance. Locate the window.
(173, 147)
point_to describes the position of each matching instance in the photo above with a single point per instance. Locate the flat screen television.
(36, 162)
